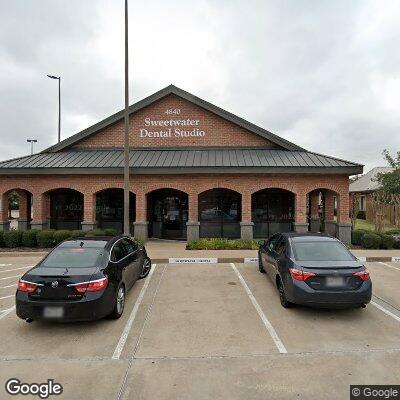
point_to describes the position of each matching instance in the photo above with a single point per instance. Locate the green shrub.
(13, 238)
(371, 241)
(29, 238)
(392, 232)
(356, 236)
(61, 235)
(222, 244)
(396, 244)
(2, 244)
(77, 233)
(96, 232)
(387, 242)
(45, 239)
(110, 232)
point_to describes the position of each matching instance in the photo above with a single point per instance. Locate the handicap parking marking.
(385, 310)
(271, 330)
(7, 297)
(8, 286)
(128, 326)
(15, 269)
(10, 277)
(4, 313)
(390, 266)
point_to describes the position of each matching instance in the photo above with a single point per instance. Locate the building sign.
(173, 126)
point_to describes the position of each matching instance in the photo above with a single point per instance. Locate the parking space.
(208, 331)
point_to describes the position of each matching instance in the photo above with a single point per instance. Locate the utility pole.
(126, 136)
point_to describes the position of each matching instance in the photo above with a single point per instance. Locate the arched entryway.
(110, 209)
(220, 213)
(17, 213)
(66, 209)
(322, 210)
(272, 211)
(167, 214)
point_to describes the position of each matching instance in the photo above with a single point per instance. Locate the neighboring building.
(365, 186)
(197, 171)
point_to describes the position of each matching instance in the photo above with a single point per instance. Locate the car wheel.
(282, 296)
(146, 267)
(260, 266)
(119, 303)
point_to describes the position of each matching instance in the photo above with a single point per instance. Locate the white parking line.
(15, 269)
(7, 297)
(8, 286)
(9, 277)
(132, 316)
(5, 265)
(271, 330)
(390, 266)
(387, 312)
(6, 312)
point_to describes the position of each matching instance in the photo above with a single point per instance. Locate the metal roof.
(368, 182)
(179, 160)
(171, 89)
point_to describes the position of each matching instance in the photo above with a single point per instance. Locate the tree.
(354, 208)
(390, 182)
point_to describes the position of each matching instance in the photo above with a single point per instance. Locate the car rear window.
(73, 257)
(321, 251)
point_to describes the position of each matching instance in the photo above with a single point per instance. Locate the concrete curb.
(192, 260)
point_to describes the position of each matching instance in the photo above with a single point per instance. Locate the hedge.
(61, 235)
(387, 242)
(29, 238)
(2, 244)
(13, 238)
(371, 241)
(45, 239)
(356, 236)
(222, 244)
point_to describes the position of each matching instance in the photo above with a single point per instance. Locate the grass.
(222, 244)
(370, 226)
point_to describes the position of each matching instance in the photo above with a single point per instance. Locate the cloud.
(323, 74)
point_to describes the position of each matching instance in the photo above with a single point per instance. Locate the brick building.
(197, 171)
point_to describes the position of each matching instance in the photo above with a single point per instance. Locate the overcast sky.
(323, 74)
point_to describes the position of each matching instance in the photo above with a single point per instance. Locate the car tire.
(282, 296)
(146, 267)
(260, 266)
(119, 303)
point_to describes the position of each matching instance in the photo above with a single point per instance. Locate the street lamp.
(31, 141)
(126, 130)
(59, 104)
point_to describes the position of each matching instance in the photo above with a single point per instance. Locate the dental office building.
(197, 171)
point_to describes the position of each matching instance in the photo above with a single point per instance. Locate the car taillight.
(363, 275)
(301, 275)
(25, 286)
(91, 286)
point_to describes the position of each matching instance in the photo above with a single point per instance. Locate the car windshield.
(321, 251)
(73, 257)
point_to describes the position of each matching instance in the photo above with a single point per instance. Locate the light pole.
(59, 104)
(126, 130)
(31, 141)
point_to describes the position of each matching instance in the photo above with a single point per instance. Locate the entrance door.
(168, 214)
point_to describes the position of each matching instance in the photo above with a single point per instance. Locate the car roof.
(107, 241)
(308, 236)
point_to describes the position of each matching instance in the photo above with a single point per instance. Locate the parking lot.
(207, 331)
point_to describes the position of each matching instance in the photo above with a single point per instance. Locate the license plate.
(53, 312)
(333, 281)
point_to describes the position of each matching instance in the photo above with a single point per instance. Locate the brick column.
(24, 217)
(343, 218)
(246, 225)
(314, 211)
(300, 224)
(89, 212)
(193, 224)
(41, 211)
(329, 206)
(4, 221)
(141, 223)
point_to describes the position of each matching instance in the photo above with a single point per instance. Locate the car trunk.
(334, 275)
(54, 282)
